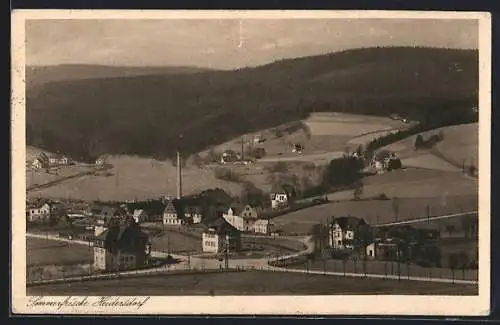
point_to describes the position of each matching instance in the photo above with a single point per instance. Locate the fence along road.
(424, 219)
(213, 264)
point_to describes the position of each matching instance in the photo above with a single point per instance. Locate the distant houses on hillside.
(49, 161)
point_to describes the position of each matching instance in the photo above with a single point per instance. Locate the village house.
(229, 156)
(42, 161)
(281, 196)
(121, 247)
(241, 217)
(37, 164)
(385, 160)
(172, 215)
(101, 161)
(38, 211)
(263, 226)
(103, 215)
(193, 214)
(58, 160)
(221, 236)
(180, 211)
(140, 216)
(343, 232)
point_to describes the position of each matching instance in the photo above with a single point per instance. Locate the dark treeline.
(212, 202)
(144, 115)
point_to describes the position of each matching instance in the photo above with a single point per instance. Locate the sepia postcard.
(251, 162)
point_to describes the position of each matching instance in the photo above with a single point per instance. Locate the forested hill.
(145, 114)
(39, 75)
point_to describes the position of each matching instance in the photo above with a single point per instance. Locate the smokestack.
(179, 175)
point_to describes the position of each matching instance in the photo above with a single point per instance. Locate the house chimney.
(179, 176)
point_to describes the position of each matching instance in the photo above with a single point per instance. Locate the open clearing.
(323, 135)
(136, 178)
(249, 283)
(50, 252)
(300, 222)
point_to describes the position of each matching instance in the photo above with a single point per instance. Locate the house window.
(339, 242)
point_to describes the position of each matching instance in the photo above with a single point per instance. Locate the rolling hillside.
(144, 115)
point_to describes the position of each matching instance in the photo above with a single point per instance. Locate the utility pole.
(242, 149)
(226, 253)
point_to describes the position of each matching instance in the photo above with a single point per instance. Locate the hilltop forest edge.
(155, 115)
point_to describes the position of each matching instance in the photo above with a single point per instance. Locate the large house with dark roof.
(344, 232)
(121, 247)
(221, 236)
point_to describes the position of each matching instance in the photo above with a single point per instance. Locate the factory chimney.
(179, 175)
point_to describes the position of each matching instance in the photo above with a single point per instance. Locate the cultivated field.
(50, 252)
(323, 135)
(250, 283)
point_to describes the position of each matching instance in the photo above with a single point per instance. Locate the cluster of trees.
(343, 172)
(421, 143)
(154, 109)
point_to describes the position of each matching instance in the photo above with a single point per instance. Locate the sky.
(228, 43)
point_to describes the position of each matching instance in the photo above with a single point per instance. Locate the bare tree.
(358, 191)
(395, 207)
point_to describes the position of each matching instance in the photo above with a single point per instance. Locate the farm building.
(385, 250)
(121, 247)
(221, 236)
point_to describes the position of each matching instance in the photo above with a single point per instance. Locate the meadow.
(49, 252)
(250, 283)
(460, 144)
(444, 192)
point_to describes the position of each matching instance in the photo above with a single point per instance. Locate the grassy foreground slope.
(145, 114)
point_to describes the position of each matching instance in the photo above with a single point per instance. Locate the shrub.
(226, 174)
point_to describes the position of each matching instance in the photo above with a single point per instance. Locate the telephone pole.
(226, 253)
